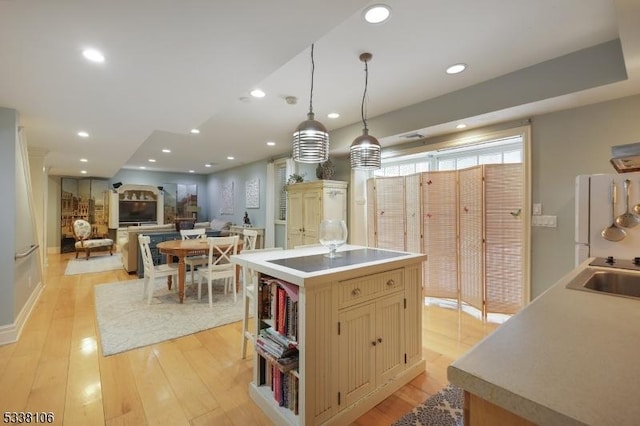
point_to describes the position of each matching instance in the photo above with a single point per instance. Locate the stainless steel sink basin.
(610, 282)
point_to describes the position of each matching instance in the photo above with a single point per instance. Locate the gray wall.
(239, 176)
(8, 134)
(140, 177)
(566, 144)
(20, 277)
(128, 177)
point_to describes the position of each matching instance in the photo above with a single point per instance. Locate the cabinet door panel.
(390, 348)
(357, 353)
(294, 219)
(311, 216)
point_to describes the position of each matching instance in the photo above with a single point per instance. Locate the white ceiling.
(175, 65)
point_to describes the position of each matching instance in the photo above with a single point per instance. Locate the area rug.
(98, 263)
(442, 409)
(126, 321)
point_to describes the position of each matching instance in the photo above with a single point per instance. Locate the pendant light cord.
(313, 67)
(364, 95)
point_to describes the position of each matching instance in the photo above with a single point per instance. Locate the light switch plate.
(537, 209)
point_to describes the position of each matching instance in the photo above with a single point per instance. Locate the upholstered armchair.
(82, 234)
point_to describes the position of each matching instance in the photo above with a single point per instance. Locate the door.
(310, 216)
(294, 219)
(389, 337)
(357, 347)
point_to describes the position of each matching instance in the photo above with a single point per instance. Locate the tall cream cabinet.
(308, 204)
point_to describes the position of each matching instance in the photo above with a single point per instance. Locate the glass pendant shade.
(365, 152)
(311, 142)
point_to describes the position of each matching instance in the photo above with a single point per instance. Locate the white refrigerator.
(594, 198)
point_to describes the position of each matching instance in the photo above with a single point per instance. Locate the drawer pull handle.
(355, 292)
(391, 283)
(373, 343)
(379, 339)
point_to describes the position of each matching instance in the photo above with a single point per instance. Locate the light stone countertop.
(570, 357)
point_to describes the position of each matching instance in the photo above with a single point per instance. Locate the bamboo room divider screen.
(468, 222)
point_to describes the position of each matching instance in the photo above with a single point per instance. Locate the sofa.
(128, 242)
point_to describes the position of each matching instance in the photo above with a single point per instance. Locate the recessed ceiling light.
(83, 134)
(93, 55)
(208, 165)
(142, 167)
(83, 160)
(257, 93)
(84, 172)
(166, 151)
(461, 126)
(377, 13)
(195, 131)
(333, 115)
(152, 160)
(192, 171)
(231, 158)
(457, 68)
(271, 143)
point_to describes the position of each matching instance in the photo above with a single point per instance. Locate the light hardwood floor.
(56, 366)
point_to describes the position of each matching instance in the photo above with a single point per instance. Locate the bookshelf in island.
(333, 337)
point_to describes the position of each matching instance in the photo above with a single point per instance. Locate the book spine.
(282, 306)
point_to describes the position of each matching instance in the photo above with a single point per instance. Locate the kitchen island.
(568, 358)
(357, 328)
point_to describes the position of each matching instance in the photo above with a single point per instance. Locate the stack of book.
(277, 348)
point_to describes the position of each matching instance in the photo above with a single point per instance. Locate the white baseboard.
(54, 249)
(11, 333)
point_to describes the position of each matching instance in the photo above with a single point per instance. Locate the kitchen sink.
(608, 282)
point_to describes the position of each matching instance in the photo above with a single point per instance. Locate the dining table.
(183, 248)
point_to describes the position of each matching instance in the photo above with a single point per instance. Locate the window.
(499, 151)
(280, 193)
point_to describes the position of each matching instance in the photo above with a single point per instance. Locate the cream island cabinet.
(349, 331)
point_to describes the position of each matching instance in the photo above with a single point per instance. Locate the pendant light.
(311, 140)
(365, 149)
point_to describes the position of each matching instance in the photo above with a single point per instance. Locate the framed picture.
(227, 198)
(252, 193)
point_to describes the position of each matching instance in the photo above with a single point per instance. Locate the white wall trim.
(11, 333)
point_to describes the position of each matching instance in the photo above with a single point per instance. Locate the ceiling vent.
(412, 136)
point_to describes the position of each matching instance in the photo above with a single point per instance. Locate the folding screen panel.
(390, 207)
(371, 213)
(439, 218)
(413, 224)
(504, 230)
(471, 234)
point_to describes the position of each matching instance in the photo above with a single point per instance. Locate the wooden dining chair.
(250, 238)
(249, 290)
(151, 271)
(194, 261)
(219, 265)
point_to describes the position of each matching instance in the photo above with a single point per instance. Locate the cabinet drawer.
(361, 289)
